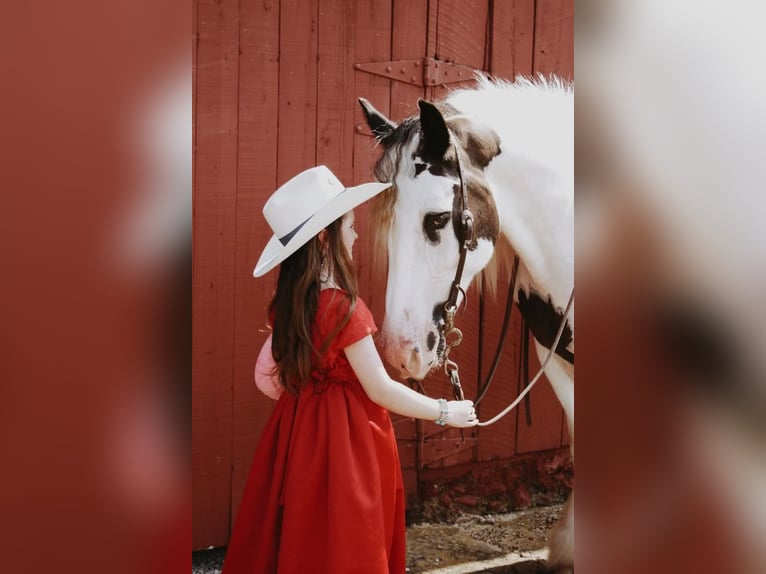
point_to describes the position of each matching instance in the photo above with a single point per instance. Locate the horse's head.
(420, 221)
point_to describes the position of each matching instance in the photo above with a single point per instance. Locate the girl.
(325, 490)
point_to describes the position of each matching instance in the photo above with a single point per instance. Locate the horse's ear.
(380, 125)
(435, 132)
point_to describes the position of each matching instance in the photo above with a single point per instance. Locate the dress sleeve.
(360, 324)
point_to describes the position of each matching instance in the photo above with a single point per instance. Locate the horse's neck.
(534, 197)
(537, 217)
(532, 179)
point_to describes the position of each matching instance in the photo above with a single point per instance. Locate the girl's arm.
(396, 397)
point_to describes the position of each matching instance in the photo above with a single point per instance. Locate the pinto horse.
(511, 146)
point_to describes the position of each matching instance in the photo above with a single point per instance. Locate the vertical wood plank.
(213, 269)
(411, 20)
(545, 431)
(257, 176)
(512, 38)
(372, 20)
(296, 145)
(499, 439)
(372, 42)
(554, 38)
(335, 93)
(461, 30)
(432, 31)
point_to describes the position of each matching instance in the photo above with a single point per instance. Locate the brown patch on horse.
(486, 223)
(480, 143)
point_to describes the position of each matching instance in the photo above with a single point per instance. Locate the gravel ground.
(208, 561)
(510, 543)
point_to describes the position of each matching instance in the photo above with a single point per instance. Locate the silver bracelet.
(443, 412)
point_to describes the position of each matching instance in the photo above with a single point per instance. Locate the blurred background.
(95, 223)
(670, 275)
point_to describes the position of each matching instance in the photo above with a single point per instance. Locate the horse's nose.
(410, 361)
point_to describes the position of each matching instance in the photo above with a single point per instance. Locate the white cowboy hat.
(302, 207)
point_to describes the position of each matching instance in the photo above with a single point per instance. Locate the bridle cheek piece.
(448, 329)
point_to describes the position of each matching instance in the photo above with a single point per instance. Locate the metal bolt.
(388, 68)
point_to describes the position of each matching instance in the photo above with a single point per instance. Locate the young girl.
(325, 493)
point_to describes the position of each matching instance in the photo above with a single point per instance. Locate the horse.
(510, 146)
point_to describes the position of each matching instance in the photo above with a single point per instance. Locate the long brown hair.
(294, 305)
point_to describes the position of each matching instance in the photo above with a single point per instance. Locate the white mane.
(527, 107)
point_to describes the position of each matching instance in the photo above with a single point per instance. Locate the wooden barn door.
(275, 91)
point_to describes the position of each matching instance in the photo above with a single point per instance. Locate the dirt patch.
(434, 545)
(488, 511)
(478, 537)
(470, 538)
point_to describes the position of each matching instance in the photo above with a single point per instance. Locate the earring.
(323, 275)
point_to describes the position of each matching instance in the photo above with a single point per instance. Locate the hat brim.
(275, 252)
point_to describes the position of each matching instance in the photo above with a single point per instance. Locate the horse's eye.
(433, 222)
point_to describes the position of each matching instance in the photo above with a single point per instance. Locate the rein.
(503, 331)
(449, 331)
(534, 380)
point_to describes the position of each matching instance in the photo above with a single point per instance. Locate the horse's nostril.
(403, 367)
(431, 340)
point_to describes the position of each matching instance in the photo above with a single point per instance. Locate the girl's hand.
(461, 414)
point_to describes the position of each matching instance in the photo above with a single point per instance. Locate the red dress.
(325, 491)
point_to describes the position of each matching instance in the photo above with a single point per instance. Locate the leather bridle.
(464, 233)
(451, 334)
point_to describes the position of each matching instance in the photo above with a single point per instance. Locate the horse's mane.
(383, 203)
(382, 218)
(537, 83)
